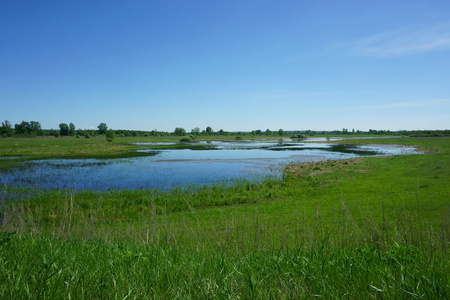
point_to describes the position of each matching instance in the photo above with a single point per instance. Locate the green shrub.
(186, 139)
(110, 135)
(298, 136)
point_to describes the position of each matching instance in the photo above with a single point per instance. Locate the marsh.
(173, 164)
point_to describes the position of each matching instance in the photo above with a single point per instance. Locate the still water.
(217, 161)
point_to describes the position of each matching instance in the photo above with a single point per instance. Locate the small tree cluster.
(6, 129)
(31, 128)
(65, 129)
(179, 131)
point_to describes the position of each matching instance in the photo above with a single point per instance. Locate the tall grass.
(360, 228)
(84, 252)
(46, 267)
(232, 229)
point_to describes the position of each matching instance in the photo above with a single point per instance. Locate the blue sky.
(231, 65)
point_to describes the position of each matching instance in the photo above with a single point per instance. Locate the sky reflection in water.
(224, 162)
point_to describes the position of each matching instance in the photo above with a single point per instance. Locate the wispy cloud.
(405, 41)
(409, 104)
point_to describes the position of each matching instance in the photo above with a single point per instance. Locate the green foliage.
(195, 131)
(25, 129)
(35, 127)
(179, 131)
(6, 129)
(186, 139)
(54, 133)
(102, 128)
(63, 129)
(110, 135)
(72, 129)
(299, 136)
(22, 128)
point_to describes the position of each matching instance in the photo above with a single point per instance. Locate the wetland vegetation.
(360, 227)
(170, 165)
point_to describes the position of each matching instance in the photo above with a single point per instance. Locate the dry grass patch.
(331, 166)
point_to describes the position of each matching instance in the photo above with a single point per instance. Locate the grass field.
(376, 227)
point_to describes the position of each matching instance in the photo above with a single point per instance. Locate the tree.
(179, 131)
(35, 127)
(102, 128)
(195, 131)
(110, 135)
(54, 133)
(209, 130)
(71, 129)
(22, 128)
(6, 129)
(280, 132)
(268, 132)
(63, 129)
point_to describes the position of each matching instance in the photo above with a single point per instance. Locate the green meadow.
(361, 228)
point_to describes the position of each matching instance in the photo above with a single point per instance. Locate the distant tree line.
(34, 129)
(31, 128)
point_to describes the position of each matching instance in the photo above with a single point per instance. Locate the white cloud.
(405, 41)
(410, 104)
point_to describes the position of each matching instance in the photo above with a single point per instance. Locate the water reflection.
(218, 161)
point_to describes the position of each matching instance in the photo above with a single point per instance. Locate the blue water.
(227, 161)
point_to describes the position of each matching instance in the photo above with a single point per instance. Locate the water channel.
(203, 163)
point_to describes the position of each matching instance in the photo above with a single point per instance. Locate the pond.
(174, 165)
